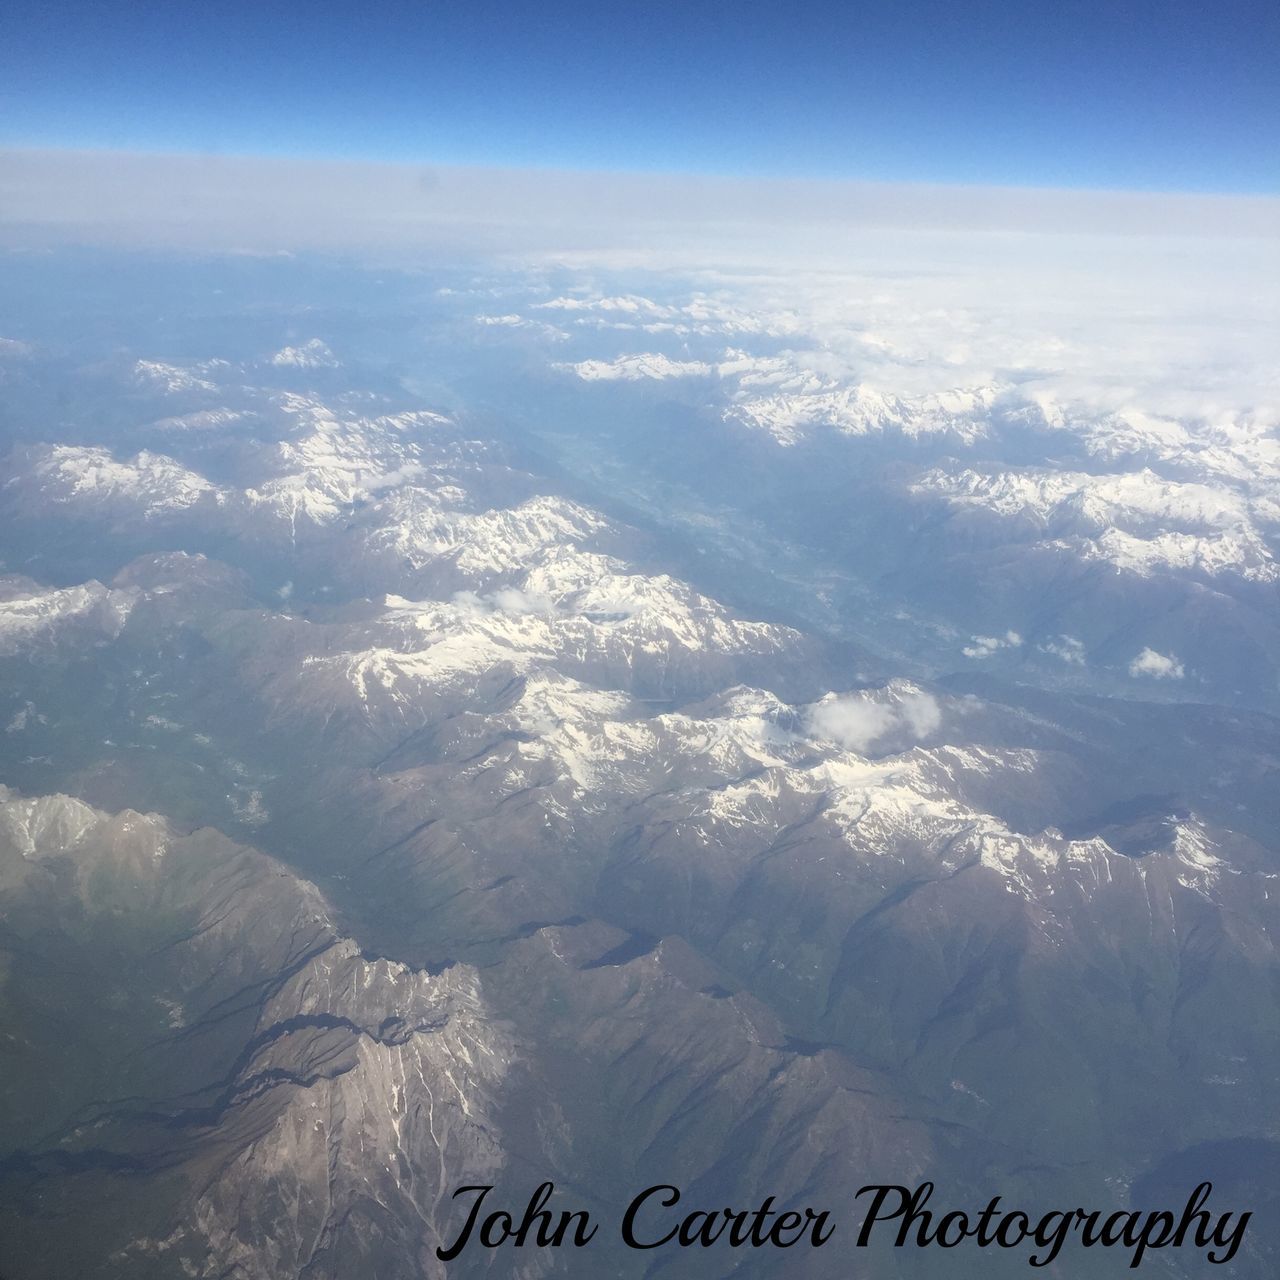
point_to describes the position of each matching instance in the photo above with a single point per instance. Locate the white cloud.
(921, 714)
(1158, 666)
(504, 600)
(1067, 648)
(857, 722)
(985, 646)
(513, 600)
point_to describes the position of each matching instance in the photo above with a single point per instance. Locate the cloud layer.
(267, 205)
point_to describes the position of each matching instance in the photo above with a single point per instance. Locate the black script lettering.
(1051, 1238)
(955, 1218)
(701, 1227)
(733, 1227)
(912, 1200)
(499, 1227)
(1024, 1227)
(1148, 1239)
(1193, 1213)
(629, 1218)
(986, 1235)
(447, 1255)
(1232, 1241)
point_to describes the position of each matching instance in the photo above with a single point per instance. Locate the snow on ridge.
(698, 315)
(788, 414)
(201, 420)
(1194, 849)
(549, 698)
(1241, 552)
(31, 824)
(1138, 522)
(422, 527)
(650, 366)
(174, 378)
(588, 616)
(1094, 501)
(313, 354)
(31, 615)
(629, 304)
(333, 463)
(82, 474)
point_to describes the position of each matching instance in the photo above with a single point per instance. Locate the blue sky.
(1126, 94)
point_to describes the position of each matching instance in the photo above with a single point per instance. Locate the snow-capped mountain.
(312, 354)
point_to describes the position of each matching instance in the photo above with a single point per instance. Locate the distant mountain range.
(611, 765)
